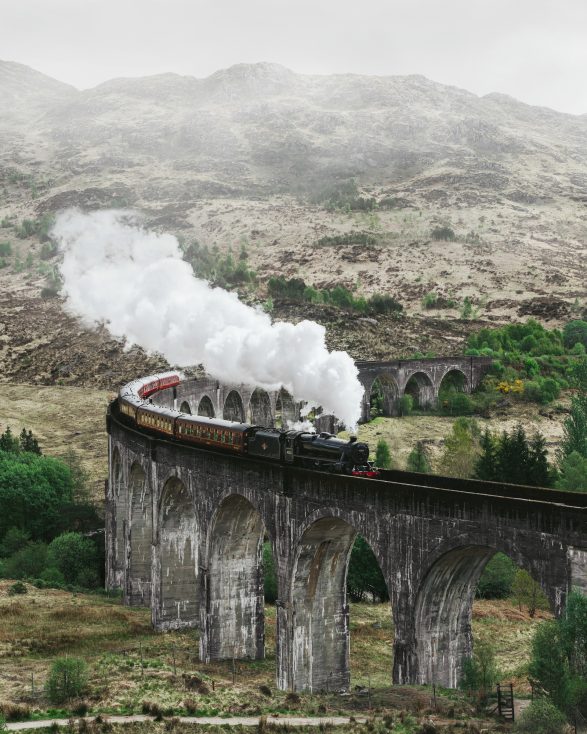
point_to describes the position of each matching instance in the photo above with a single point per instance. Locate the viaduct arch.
(421, 378)
(185, 528)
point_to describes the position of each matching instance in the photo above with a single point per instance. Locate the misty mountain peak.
(261, 78)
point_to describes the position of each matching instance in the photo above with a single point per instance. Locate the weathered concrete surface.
(193, 524)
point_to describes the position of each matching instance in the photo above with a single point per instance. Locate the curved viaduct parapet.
(430, 541)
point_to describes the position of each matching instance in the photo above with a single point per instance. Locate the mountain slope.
(249, 155)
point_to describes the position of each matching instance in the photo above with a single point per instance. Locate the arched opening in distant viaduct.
(205, 407)
(233, 408)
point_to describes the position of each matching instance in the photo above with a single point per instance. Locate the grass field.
(62, 418)
(131, 666)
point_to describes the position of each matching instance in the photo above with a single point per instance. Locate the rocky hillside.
(252, 155)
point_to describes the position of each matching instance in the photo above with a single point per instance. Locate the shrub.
(456, 403)
(406, 404)
(352, 238)
(381, 303)
(14, 711)
(28, 562)
(74, 555)
(430, 300)
(17, 588)
(52, 577)
(80, 709)
(67, 679)
(5, 249)
(467, 311)
(295, 289)
(541, 717)
(443, 233)
(49, 292)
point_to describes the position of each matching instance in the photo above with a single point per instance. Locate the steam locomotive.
(310, 450)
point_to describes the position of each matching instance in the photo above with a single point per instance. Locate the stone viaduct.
(421, 378)
(186, 526)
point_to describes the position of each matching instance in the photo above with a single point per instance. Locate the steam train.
(321, 451)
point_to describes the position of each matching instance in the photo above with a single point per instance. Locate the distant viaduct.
(421, 378)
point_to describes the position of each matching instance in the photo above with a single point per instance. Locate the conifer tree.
(28, 442)
(383, 455)
(8, 442)
(575, 426)
(539, 473)
(486, 468)
(418, 460)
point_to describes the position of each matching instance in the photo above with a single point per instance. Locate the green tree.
(8, 442)
(486, 464)
(418, 459)
(79, 476)
(67, 679)
(364, 576)
(575, 425)
(480, 671)
(497, 578)
(461, 448)
(33, 492)
(539, 473)
(383, 455)
(575, 332)
(74, 555)
(528, 592)
(28, 442)
(14, 540)
(573, 473)
(558, 664)
(514, 459)
(513, 456)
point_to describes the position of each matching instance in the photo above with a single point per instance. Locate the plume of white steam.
(138, 284)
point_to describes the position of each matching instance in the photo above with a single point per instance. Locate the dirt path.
(211, 720)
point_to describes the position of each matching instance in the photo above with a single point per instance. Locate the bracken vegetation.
(295, 289)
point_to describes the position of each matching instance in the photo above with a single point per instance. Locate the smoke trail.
(136, 281)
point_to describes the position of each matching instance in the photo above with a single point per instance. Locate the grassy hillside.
(132, 667)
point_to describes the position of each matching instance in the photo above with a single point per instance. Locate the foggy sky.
(534, 50)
